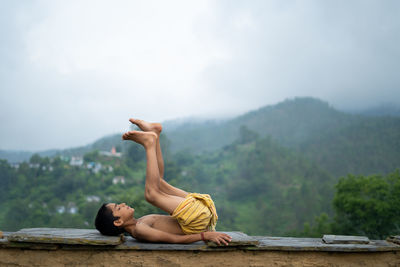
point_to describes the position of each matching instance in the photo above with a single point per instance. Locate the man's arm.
(147, 233)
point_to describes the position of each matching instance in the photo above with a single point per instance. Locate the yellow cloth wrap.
(196, 214)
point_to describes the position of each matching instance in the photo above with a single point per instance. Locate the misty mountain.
(278, 162)
(103, 144)
(15, 156)
(290, 123)
(388, 109)
(340, 142)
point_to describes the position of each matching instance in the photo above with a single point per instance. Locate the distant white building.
(110, 168)
(65, 158)
(92, 199)
(76, 161)
(118, 180)
(50, 168)
(60, 209)
(72, 208)
(14, 165)
(94, 166)
(112, 153)
(34, 165)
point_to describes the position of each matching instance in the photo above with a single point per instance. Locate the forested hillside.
(259, 186)
(250, 180)
(291, 123)
(339, 142)
(270, 172)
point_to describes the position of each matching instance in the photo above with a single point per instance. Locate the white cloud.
(73, 71)
(143, 41)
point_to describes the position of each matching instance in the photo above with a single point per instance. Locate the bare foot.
(147, 126)
(146, 139)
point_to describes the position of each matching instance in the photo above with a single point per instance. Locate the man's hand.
(217, 237)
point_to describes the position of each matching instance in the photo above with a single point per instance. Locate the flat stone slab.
(59, 240)
(394, 239)
(316, 244)
(345, 239)
(133, 244)
(68, 236)
(64, 236)
(238, 239)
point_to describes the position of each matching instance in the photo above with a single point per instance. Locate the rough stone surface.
(394, 239)
(238, 239)
(25, 258)
(80, 239)
(270, 251)
(345, 239)
(64, 236)
(92, 237)
(316, 244)
(133, 244)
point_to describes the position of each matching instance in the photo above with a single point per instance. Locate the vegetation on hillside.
(274, 171)
(364, 205)
(338, 142)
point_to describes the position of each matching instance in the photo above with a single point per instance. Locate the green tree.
(91, 156)
(322, 226)
(368, 205)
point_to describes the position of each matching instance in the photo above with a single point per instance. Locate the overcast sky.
(74, 71)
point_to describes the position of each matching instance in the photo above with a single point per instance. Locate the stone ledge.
(317, 244)
(233, 258)
(345, 239)
(394, 239)
(240, 242)
(66, 236)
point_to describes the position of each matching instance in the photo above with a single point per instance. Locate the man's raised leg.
(157, 129)
(153, 192)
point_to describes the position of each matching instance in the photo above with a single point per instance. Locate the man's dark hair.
(105, 222)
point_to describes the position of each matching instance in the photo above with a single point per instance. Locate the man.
(193, 216)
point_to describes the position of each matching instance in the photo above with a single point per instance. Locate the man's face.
(123, 211)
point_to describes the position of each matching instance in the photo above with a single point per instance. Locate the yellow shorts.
(196, 214)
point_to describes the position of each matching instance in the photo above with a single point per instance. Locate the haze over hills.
(279, 162)
(340, 142)
(388, 109)
(291, 123)
(105, 143)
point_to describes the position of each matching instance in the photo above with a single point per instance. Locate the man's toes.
(127, 135)
(134, 121)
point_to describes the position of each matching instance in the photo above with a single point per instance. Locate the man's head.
(111, 218)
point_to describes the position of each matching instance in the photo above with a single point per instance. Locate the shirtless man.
(193, 216)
